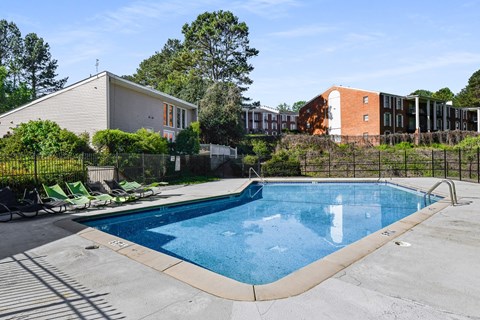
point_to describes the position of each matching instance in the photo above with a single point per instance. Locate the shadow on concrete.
(34, 289)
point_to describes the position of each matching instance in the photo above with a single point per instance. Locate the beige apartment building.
(106, 101)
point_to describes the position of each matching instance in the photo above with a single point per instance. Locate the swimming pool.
(269, 231)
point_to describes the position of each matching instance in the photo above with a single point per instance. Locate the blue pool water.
(268, 231)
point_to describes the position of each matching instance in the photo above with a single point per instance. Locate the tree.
(187, 141)
(220, 113)
(283, 107)
(298, 105)
(39, 67)
(44, 137)
(221, 45)
(11, 96)
(422, 93)
(470, 95)
(172, 71)
(463, 99)
(11, 49)
(444, 94)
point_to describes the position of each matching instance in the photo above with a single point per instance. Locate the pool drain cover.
(402, 244)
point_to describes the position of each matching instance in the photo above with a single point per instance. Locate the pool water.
(270, 230)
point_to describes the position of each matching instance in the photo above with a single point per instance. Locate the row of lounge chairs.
(80, 196)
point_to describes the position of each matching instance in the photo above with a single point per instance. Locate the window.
(439, 124)
(365, 100)
(465, 126)
(365, 117)
(464, 114)
(169, 135)
(457, 125)
(386, 102)
(284, 117)
(387, 119)
(457, 113)
(399, 105)
(365, 135)
(293, 126)
(284, 126)
(256, 117)
(168, 115)
(274, 117)
(274, 125)
(181, 118)
(399, 122)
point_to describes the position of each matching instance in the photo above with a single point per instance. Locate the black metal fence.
(369, 163)
(26, 171)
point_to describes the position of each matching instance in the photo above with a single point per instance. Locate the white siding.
(78, 108)
(131, 109)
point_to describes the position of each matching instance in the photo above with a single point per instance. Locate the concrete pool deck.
(47, 271)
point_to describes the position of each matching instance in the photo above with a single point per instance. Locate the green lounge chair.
(138, 192)
(152, 187)
(119, 195)
(78, 189)
(56, 193)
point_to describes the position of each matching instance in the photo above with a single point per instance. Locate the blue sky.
(305, 46)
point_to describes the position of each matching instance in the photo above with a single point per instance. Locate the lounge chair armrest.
(6, 208)
(48, 199)
(25, 201)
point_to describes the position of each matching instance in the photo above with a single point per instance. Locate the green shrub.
(187, 142)
(469, 143)
(44, 137)
(404, 145)
(282, 164)
(250, 160)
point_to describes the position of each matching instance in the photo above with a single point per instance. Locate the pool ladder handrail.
(261, 179)
(250, 174)
(451, 187)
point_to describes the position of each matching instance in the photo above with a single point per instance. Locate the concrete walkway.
(47, 273)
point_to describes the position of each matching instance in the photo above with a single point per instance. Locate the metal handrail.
(451, 187)
(250, 174)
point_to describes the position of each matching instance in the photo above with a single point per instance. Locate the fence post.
(35, 172)
(117, 169)
(305, 165)
(84, 167)
(460, 164)
(444, 163)
(379, 164)
(353, 155)
(329, 164)
(433, 164)
(405, 163)
(143, 167)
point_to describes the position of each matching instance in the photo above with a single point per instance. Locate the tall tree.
(11, 50)
(444, 94)
(172, 71)
(298, 105)
(39, 68)
(220, 114)
(221, 45)
(422, 92)
(283, 107)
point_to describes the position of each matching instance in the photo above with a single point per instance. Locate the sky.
(304, 47)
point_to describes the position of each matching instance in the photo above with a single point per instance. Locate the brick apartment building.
(344, 111)
(268, 121)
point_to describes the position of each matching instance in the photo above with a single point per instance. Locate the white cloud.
(446, 60)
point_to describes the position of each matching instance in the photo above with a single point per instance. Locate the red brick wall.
(352, 111)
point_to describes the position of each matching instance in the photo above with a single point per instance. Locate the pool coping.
(293, 284)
